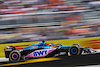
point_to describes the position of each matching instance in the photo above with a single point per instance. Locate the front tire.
(14, 56)
(74, 50)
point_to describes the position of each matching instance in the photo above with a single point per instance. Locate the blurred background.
(36, 20)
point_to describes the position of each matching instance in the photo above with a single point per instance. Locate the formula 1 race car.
(49, 50)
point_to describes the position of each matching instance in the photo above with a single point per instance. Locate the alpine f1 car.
(42, 49)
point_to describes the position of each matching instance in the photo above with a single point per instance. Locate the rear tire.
(14, 56)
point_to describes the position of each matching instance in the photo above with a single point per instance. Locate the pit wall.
(93, 42)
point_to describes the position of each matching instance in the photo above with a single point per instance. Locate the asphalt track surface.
(62, 61)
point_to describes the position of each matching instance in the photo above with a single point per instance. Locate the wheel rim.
(14, 55)
(74, 50)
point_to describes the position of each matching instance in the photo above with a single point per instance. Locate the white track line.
(3, 59)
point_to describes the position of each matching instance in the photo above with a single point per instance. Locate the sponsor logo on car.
(40, 53)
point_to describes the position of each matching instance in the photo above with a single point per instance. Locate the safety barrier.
(93, 42)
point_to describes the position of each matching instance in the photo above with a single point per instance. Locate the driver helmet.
(43, 41)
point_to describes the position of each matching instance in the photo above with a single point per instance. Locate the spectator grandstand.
(36, 20)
